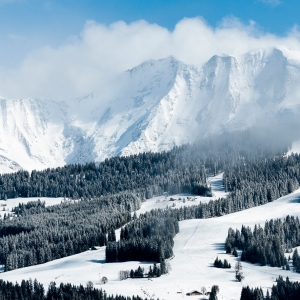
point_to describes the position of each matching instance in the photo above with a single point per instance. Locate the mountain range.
(152, 107)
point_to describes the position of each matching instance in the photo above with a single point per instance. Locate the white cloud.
(86, 62)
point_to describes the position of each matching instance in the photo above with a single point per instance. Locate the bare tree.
(203, 290)
(89, 285)
(238, 266)
(104, 280)
(238, 272)
(123, 275)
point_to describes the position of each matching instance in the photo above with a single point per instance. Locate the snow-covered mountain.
(152, 107)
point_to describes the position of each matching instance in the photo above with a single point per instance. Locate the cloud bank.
(85, 63)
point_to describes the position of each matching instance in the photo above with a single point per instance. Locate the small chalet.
(194, 293)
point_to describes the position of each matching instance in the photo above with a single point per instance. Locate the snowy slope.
(6, 206)
(197, 245)
(152, 107)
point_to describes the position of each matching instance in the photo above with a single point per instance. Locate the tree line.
(145, 174)
(154, 271)
(266, 245)
(147, 238)
(182, 169)
(37, 234)
(259, 181)
(33, 290)
(283, 290)
(218, 263)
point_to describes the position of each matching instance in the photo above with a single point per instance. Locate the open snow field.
(7, 205)
(216, 183)
(162, 202)
(197, 245)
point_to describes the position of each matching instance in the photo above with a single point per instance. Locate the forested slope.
(265, 179)
(282, 290)
(38, 234)
(145, 174)
(183, 169)
(33, 290)
(267, 245)
(113, 189)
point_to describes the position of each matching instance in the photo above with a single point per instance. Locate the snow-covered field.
(7, 205)
(181, 200)
(197, 245)
(216, 183)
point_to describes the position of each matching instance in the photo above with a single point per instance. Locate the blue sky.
(37, 32)
(64, 17)
(37, 22)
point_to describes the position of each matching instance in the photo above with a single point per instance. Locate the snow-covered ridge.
(152, 107)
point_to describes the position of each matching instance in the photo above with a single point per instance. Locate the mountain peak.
(266, 53)
(154, 106)
(169, 61)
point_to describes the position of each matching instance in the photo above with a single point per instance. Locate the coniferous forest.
(103, 197)
(183, 169)
(263, 180)
(146, 174)
(37, 234)
(150, 237)
(266, 245)
(282, 290)
(33, 290)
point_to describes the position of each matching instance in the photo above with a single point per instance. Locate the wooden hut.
(194, 293)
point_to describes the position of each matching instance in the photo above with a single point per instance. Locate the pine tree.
(150, 273)
(295, 258)
(268, 295)
(162, 266)
(225, 264)
(235, 252)
(214, 292)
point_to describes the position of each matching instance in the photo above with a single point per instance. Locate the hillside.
(197, 244)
